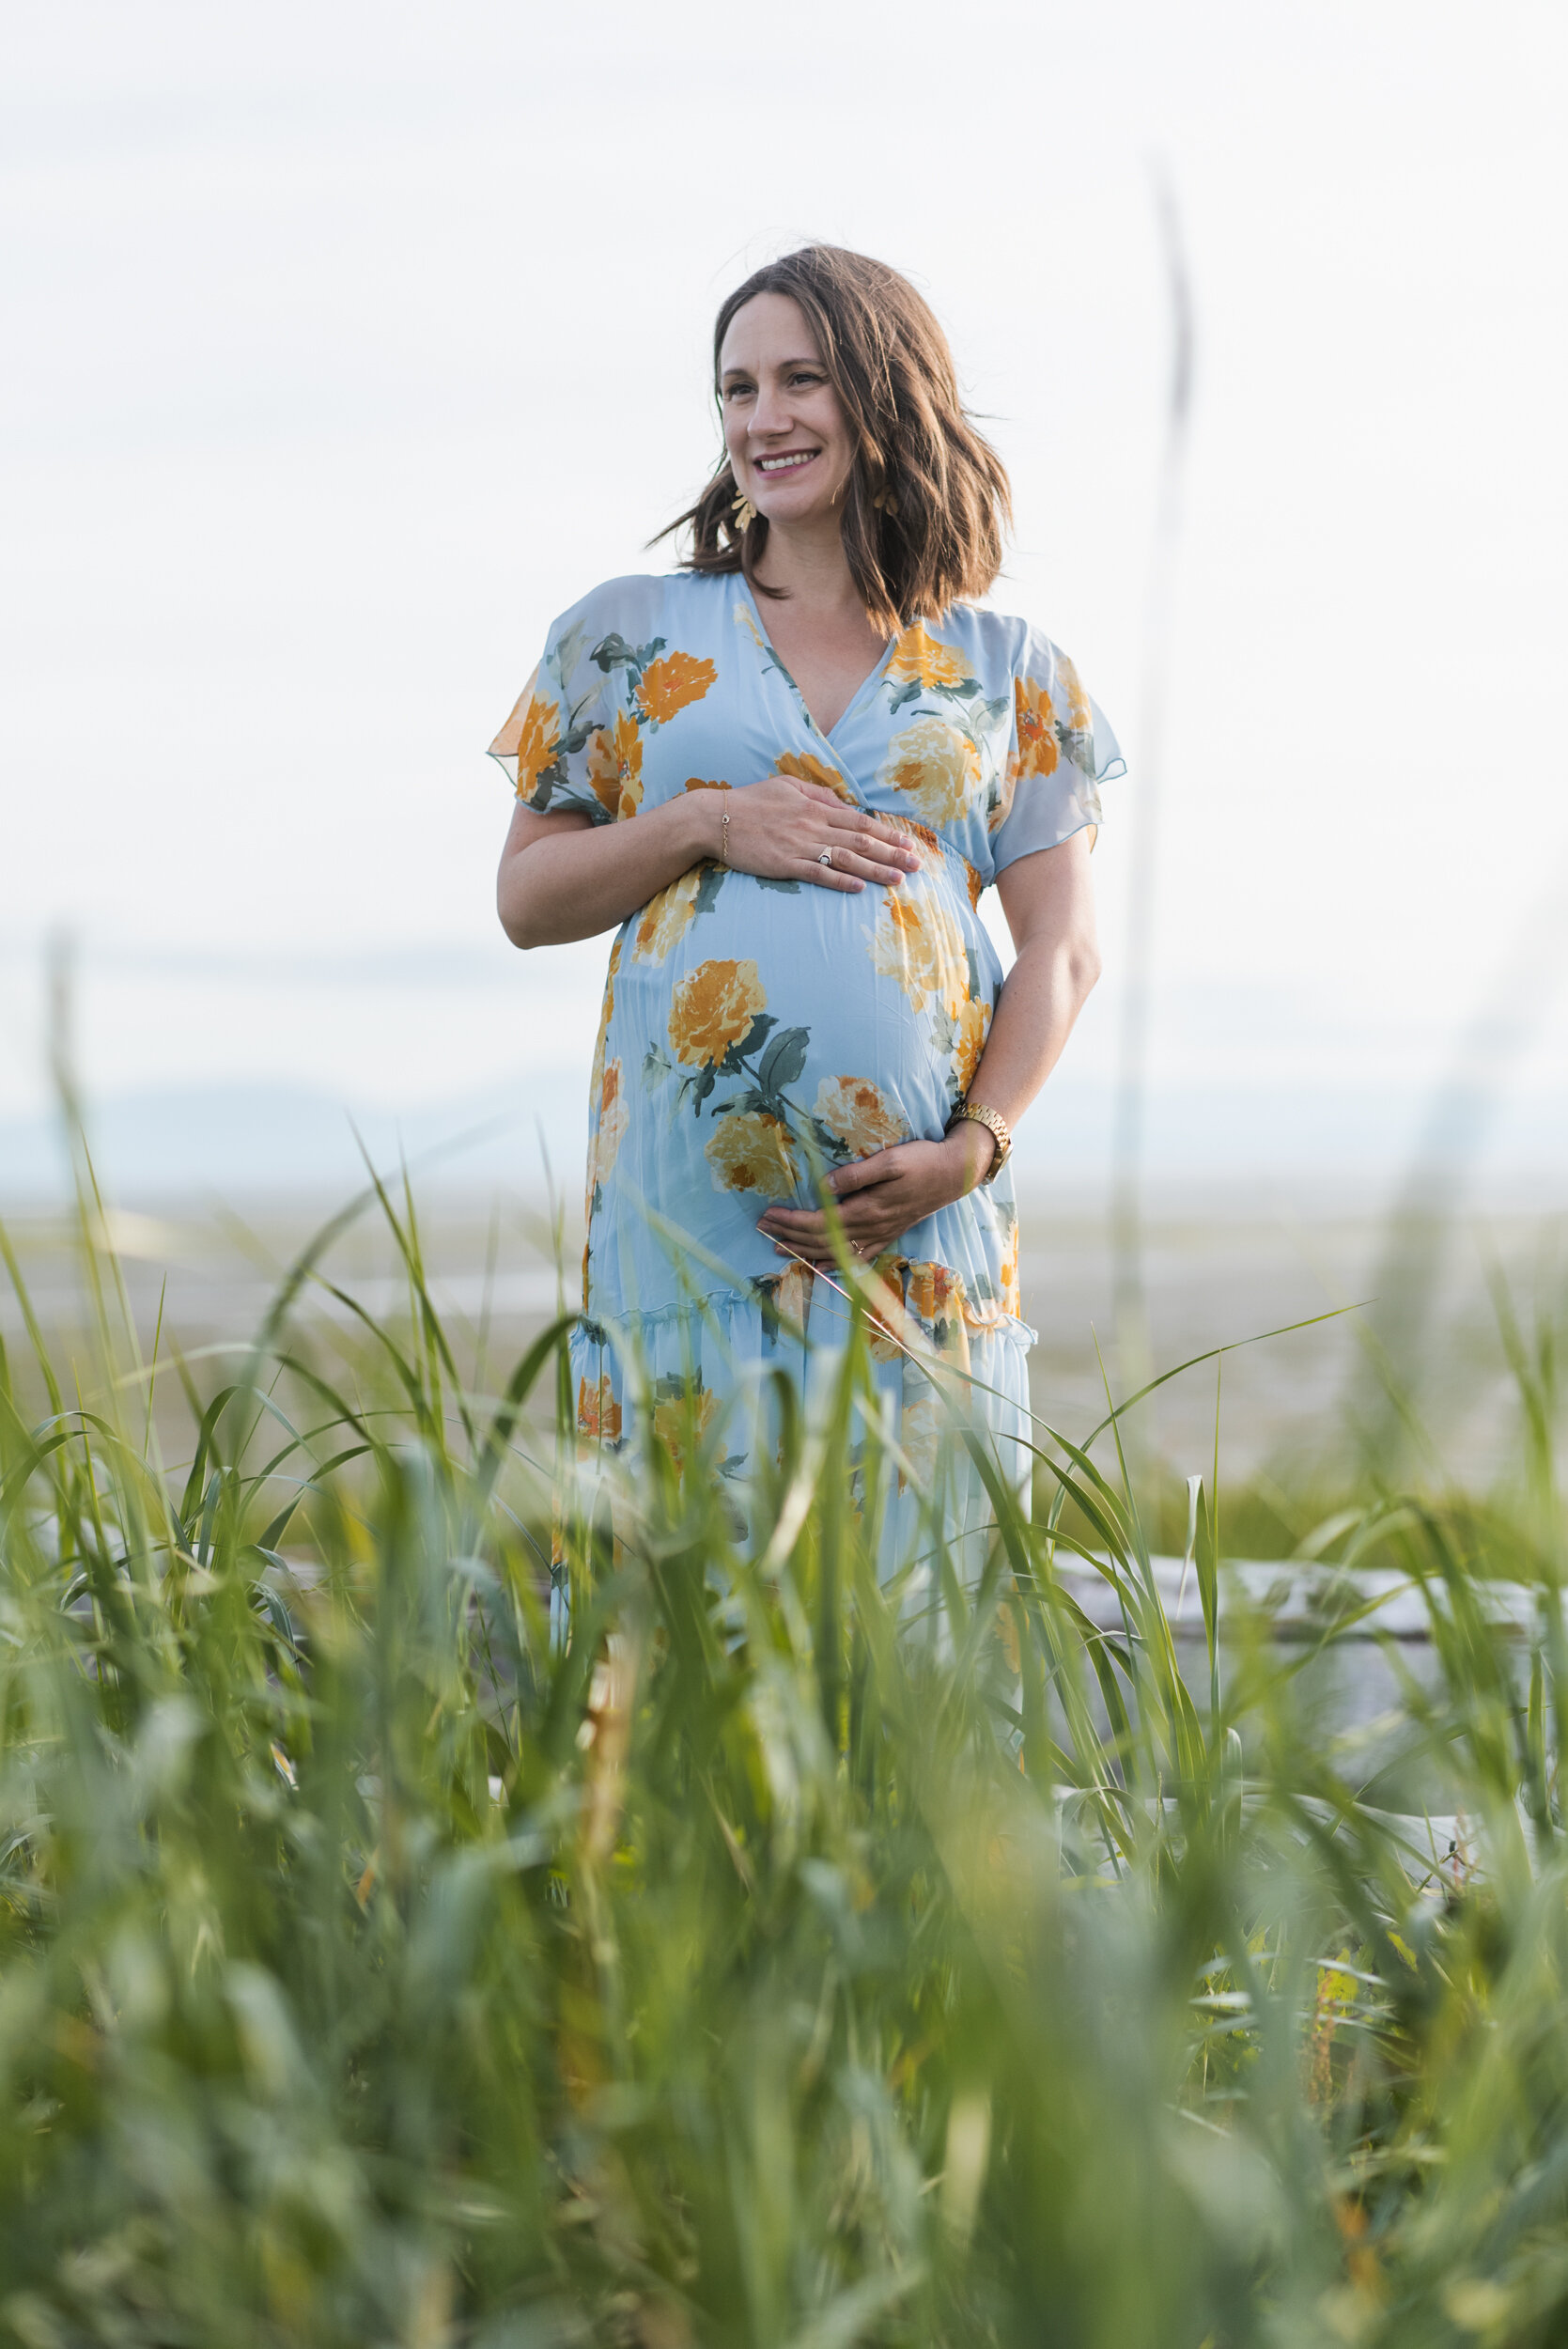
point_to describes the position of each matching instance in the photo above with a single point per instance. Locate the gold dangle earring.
(745, 513)
(884, 502)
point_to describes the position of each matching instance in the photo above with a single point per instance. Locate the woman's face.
(789, 443)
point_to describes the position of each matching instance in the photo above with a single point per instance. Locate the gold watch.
(993, 1120)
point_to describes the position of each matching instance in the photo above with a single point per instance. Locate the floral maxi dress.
(756, 1034)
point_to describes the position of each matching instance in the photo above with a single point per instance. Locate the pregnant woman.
(784, 775)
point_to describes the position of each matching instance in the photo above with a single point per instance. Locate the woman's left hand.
(882, 1197)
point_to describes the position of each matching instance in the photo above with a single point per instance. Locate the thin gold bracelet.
(723, 835)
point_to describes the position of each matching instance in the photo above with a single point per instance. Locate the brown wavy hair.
(927, 498)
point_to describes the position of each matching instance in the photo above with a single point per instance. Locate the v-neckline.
(867, 684)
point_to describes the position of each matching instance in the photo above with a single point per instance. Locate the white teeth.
(785, 464)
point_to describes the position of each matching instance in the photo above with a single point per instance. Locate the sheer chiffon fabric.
(756, 1034)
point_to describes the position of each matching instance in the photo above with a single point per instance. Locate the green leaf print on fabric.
(613, 652)
(784, 1059)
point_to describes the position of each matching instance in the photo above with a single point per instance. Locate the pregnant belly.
(759, 1037)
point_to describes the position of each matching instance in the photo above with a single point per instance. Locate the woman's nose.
(769, 416)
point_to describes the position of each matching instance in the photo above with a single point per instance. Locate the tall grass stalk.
(735, 1963)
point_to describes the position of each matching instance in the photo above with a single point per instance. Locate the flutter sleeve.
(569, 743)
(1062, 750)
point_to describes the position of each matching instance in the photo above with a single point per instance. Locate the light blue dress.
(756, 1034)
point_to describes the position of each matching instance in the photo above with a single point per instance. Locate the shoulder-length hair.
(927, 499)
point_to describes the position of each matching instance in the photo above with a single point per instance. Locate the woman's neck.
(811, 569)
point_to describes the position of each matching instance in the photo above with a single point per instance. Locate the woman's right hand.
(562, 876)
(779, 828)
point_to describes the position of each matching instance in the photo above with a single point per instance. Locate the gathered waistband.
(930, 840)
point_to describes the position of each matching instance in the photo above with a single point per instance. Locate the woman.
(783, 776)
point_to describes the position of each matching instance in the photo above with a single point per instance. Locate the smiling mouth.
(790, 460)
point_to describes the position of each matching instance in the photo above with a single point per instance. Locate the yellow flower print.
(970, 1025)
(923, 838)
(615, 766)
(1002, 803)
(921, 660)
(539, 741)
(1007, 1271)
(701, 783)
(743, 619)
(933, 857)
(791, 1295)
(598, 1414)
(711, 1008)
(667, 917)
(935, 766)
(1036, 730)
(860, 1114)
(918, 942)
(937, 1296)
(887, 1331)
(596, 1088)
(1080, 718)
(672, 1420)
(668, 685)
(614, 1118)
(805, 768)
(929, 1290)
(750, 1150)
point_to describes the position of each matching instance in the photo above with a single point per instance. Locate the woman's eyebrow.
(780, 363)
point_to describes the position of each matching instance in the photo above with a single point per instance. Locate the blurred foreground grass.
(726, 1959)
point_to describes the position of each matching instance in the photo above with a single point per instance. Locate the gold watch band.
(979, 1115)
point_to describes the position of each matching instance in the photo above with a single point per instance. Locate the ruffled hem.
(729, 1307)
(713, 1352)
(1108, 761)
(697, 1381)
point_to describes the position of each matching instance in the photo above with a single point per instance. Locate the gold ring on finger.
(826, 858)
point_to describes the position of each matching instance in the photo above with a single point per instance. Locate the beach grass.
(716, 1943)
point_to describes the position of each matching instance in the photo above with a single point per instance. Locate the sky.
(348, 344)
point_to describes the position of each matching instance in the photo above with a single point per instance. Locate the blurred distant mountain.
(245, 1140)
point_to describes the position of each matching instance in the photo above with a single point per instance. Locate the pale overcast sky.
(348, 343)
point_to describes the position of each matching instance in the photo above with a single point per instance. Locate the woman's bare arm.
(1050, 903)
(1048, 899)
(563, 876)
